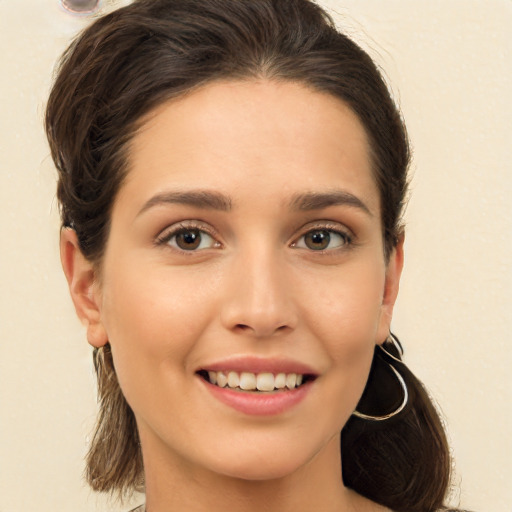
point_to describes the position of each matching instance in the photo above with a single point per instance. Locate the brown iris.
(317, 240)
(189, 239)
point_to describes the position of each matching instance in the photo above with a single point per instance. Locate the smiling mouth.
(255, 382)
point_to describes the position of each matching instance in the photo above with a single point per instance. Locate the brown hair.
(135, 58)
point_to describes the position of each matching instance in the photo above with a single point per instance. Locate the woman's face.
(246, 246)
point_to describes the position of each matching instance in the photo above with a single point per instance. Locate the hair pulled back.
(132, 60)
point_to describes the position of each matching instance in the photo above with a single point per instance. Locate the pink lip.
(257, 403)
(259, 365)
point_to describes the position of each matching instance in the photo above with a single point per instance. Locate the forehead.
(275, 137)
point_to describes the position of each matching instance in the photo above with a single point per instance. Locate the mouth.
(263, 382)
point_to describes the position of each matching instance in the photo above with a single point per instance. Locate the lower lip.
(260, 404)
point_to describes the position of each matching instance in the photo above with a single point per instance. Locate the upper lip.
(259, 365)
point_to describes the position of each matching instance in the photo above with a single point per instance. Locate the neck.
(172, 484)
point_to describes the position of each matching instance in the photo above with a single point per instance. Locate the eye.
(322, 240)
(189, 239)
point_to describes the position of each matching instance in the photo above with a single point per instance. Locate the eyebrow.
(319, 200)
(203, 199)
(209, 200)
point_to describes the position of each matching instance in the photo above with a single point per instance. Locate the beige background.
(448, 62)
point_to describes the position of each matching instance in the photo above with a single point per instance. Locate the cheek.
(345, 308)
(152, 318)
(344, 313)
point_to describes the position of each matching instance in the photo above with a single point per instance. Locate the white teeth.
(222, 380)
(291, 380)
(280, 380)
(248, 381)
(233, 380)
(265, 382)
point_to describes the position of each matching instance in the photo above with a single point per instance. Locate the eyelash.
(183, 227)
(348, 238)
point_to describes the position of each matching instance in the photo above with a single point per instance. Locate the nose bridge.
(258, 300)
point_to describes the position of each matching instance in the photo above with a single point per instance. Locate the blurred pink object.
(81, 6)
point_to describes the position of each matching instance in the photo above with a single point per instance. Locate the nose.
(258, 299)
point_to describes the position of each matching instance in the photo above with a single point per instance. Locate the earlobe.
(391, 287)
(83, 287)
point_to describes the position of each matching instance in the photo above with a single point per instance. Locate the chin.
(264, 463)
(262, 471)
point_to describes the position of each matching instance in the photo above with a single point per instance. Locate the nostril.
(260, 330)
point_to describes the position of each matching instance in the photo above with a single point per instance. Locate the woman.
(231, 179)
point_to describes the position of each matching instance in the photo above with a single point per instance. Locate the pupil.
(188, 240)
(318, 240)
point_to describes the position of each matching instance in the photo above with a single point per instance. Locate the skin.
(253, 287)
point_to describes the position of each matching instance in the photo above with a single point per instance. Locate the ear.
(391, 286)
(83, 287)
